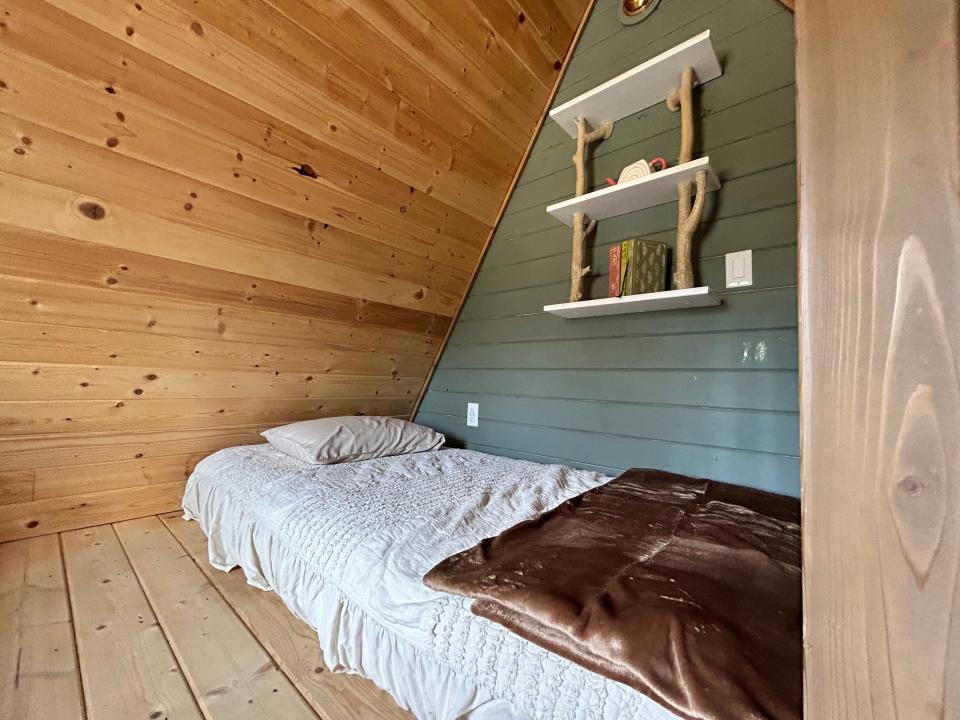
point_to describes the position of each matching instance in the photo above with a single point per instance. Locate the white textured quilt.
(346, 546)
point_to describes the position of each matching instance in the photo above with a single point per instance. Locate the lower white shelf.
(647, 302)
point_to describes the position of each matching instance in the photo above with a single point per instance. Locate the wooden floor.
(129, 621)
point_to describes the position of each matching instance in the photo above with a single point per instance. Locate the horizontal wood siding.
(710, 392)
(218, 217)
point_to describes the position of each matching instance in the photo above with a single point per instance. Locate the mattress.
(346, 546)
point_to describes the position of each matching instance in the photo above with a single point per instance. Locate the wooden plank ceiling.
(224, 215)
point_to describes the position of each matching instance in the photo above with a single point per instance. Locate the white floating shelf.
(643, 86)
(647, 302)
(654, 189)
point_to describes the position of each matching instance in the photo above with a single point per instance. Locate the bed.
(346, 547)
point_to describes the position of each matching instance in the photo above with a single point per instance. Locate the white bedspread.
(346, 546)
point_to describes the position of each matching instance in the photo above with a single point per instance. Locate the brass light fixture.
(633, 11)
(633, 7)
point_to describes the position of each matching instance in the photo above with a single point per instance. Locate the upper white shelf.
(645, 85)
(654, 189)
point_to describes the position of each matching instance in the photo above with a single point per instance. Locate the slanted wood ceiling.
(223, 215)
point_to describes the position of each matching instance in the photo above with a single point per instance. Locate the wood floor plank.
(39, 679)
(231, 675)
(291, 642)
(127, 667)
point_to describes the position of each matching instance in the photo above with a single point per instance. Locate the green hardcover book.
(643, 266)
(626, 247)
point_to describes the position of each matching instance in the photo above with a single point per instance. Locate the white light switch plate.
(473, 414)
(740, 269)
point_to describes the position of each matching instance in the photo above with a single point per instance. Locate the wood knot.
(150, 377)
(33, 523)
(112, 142)
(138, 391)
(188, 206)
(418, 295)
(92, 210)
(129, 30)
(110, 90)
(19, 151)
(197, 28)
(121, 117)
(912, 486)
(138, 456)
(306, 171)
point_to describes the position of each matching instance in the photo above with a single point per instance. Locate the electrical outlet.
(473, 414)
(740, 269)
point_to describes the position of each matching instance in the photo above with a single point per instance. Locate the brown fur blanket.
(687, 590)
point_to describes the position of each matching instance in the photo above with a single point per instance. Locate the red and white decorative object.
(640, 169)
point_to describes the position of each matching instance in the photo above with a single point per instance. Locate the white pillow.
(345, 439)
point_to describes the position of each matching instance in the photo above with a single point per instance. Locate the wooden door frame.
(879, 314)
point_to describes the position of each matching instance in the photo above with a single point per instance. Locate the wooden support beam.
(688, 208)
(879, 154)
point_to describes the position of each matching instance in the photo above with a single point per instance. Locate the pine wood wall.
(224, 215)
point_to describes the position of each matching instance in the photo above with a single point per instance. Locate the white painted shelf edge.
(647, 302)
(654, 189)
(641, 87)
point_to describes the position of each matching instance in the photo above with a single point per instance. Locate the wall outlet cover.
(473, 414)
(740, 269)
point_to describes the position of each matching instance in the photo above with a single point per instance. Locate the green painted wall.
(708, 392)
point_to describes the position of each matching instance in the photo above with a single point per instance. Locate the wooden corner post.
(878, 120)
(689, 210)
(582, 227)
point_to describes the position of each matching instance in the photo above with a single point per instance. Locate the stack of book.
(637, 266)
